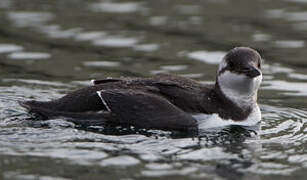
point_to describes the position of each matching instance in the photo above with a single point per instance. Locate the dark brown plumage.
(161, 102)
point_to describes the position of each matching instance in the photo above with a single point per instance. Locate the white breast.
(207, 121)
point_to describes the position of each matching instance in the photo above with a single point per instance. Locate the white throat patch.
(239, 88)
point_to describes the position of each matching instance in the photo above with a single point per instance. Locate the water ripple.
(187, 156)
(29, 19)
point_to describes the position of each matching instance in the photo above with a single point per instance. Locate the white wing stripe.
(103, 101)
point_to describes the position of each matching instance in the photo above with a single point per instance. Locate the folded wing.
(145, 110)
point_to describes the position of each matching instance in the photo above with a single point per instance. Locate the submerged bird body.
(166, 101)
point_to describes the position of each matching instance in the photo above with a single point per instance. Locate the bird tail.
(79, 118)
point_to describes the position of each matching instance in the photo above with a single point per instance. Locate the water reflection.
(20, 176)
(146, 47)
(39, 82)
(174, 67)
(226, 153)
(120, 161)
(298, 76)
(261, 37)
(290, 44)
(98, 39)
(116, 7)
(5, 3)
(158, 20)
(188, 9)
(288, 88)
(207, 57)
(7, 48)
(116, 41)
(29, 55)
(296, 16)
(101, 64)
(29, 19)
(55, 31)
(89, 36)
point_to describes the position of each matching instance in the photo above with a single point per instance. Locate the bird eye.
(259, 65)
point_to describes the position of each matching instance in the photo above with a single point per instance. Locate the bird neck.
(241, 100)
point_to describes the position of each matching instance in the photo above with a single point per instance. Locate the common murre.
(166, 101)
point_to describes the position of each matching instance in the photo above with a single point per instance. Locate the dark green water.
(50, 47)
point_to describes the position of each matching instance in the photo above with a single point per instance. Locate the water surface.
(52, 47)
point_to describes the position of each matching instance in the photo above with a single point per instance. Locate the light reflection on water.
(120, 38)
(207, 57)
(87, 36)
(112, 7)
(29, 55)
(29, 19)
(288, 88)
(193, 157)
(290, 44)
(116, 42)
(7, 48)
(101, 63)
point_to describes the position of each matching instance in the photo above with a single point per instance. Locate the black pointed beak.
(253, 72)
